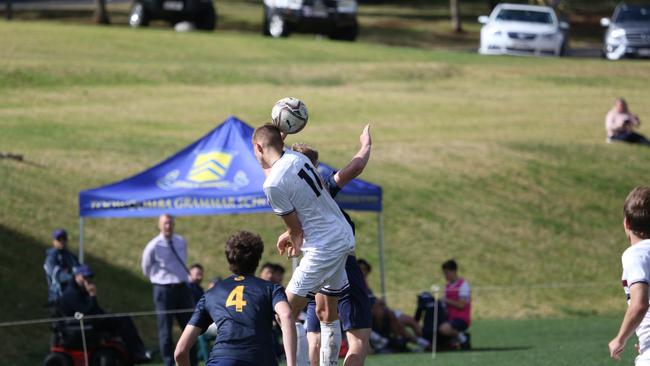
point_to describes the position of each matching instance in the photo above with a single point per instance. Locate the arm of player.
(185, 343)
(291, 240)
(355, 167)
(288, 327)
(633, 317)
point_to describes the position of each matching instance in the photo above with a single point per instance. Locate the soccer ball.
(290, 115)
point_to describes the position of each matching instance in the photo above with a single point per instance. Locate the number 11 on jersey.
(236, 299)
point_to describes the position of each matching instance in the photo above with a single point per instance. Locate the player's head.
(243, 252)
(266, 273)
(267, 144)
(621, 105)
(278, 274)
(308, 151)
(637, 213)
(450, 270)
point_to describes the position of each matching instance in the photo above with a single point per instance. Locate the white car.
(523, 30)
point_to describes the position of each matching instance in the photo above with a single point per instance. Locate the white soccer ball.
(290, 115)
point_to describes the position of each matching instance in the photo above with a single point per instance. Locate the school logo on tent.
(211, 166)
(210, 169)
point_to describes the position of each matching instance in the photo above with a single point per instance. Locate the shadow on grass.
(24, 295)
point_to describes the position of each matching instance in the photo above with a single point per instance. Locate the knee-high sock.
(302, 347)
(330, 343)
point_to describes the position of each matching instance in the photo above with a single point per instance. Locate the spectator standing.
(459, 305)
(58, 266)
(620, 124)
(81, 296)
(163, 262)
(196, 277)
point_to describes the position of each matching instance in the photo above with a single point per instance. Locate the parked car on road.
(199, 12)
(628, 32)
(334, 18)
(523, 30)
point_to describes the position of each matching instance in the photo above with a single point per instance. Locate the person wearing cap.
(80, 296)
(163, 263)
(58, 266)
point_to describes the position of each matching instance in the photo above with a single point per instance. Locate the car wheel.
(348, 33)
(277, 26)
(57, 359)
(138, 16)
(207, 19)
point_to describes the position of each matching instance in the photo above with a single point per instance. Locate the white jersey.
(293, 185)
(636, 268)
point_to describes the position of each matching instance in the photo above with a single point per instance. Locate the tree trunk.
(455, 15)
(101, 15)
(9, 10)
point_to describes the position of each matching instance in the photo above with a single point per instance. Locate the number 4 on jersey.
(236, 299)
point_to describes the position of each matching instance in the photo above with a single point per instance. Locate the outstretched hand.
(365, 136)
(291, 245)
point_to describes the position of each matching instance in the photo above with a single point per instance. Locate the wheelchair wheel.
(57, 359)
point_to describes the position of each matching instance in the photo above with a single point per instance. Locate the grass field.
(499, 162)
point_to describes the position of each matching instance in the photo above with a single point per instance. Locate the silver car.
(628, 32)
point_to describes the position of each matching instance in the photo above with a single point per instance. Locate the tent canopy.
(217, 174)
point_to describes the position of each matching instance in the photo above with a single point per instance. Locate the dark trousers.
(175, 297)
(631, 137)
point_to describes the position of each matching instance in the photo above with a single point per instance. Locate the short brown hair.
(306, 150)
(268, 135)
(637, 211)
(244, 251)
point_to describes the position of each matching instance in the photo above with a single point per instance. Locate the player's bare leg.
(330, 328)
(302, 348)
(359, 346)
(314, 347)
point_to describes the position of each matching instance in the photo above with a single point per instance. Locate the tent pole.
(380, 236)
(81, 240)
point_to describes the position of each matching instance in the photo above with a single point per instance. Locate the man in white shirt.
(315, 227)
(636, 276)
(163, 263)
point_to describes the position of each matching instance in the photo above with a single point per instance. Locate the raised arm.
(633, 317)
(354, 168)
(288, 327)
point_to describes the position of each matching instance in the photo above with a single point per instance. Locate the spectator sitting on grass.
(458, 302)
(620, 124)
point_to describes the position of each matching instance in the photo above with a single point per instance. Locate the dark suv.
(199, 12)
(628, 32)
(334, 18)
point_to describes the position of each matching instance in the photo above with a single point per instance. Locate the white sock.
(462, 338)
(302, 347)
(330, 343)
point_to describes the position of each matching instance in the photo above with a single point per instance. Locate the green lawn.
(499, 162)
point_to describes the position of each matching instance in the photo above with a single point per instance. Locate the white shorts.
(642, 360)
(317, 272)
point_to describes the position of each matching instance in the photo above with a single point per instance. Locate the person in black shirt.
(80, 296)
(243, 307)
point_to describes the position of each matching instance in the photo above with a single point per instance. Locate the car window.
(633, 14)
(514, 15)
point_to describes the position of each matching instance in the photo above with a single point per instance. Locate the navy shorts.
(354, 305)
(459, 324)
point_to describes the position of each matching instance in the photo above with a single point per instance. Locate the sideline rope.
(100, 316)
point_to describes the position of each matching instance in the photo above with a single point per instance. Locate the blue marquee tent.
(217, 174)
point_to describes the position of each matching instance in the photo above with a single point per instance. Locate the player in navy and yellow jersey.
(243, 308)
